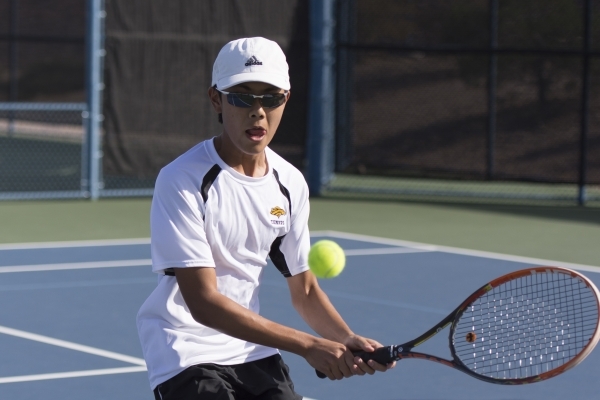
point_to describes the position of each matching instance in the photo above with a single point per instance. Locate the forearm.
(223, 314)
(316, 309)
(211, 308)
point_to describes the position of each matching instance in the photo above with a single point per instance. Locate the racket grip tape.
(382, 355)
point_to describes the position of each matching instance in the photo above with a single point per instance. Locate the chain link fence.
(41, 150)
(469, 99)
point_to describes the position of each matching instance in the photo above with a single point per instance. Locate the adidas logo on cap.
(252, 61)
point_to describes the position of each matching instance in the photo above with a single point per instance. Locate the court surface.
(67, 325)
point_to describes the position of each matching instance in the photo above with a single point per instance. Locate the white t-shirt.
(205, 214)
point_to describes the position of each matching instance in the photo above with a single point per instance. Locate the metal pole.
(346, 32)
(585, 101)
(321, 118)
(13, 70)
(94, 86)
(492, 85)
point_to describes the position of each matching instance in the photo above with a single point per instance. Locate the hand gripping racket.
(523, 327)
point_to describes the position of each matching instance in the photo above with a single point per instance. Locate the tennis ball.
(326, 259)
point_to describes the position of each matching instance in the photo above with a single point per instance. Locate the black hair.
(220, 114)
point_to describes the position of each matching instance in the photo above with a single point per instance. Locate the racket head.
(526, 326)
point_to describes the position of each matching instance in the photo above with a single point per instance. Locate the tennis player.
(218, 212)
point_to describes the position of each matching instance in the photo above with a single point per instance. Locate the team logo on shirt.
(278, 212)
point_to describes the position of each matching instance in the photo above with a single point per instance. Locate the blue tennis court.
(67, 327)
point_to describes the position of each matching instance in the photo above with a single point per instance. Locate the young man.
(218, 211)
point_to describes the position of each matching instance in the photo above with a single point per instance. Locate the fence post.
(585, 100)
(321, 111)
(13, 70)
(94, 87)
(345, 34)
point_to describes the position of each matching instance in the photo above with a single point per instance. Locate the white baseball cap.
(251, 60)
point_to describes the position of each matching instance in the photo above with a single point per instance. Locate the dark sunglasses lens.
(240, 100)
(272, 101)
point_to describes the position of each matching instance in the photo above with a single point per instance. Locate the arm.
(318, 312)
(210, 308)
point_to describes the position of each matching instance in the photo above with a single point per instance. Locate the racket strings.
(526, 326)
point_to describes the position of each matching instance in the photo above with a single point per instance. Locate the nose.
(257, 111)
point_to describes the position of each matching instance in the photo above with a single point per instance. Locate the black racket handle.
(382, 355)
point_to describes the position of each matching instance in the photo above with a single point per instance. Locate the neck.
(252, 165)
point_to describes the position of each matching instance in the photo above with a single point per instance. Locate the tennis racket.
(523, 327)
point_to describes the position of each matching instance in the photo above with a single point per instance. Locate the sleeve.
(178, 238)
(296, 244)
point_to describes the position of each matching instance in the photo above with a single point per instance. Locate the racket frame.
(595, 337)
(388, 354)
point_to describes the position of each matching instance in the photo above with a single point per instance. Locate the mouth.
(256, 134)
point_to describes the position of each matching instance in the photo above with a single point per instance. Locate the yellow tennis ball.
(326, 259)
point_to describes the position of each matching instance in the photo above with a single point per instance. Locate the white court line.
(73, 374)
(78, 243)
(146, 262)
(72, 346)
(458, 250)
(337, 234)
(382, 251)
(76, 265)
(76, 284)
(408, 247)
(374, 239)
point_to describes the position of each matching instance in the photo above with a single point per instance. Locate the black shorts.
(266, 379)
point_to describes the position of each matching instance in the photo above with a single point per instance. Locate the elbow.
(205, 312)
(209, 315)
(202, 318)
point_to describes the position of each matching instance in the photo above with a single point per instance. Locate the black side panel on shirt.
(276, 255)
(207, 182)
(278, 258)
(284, 190)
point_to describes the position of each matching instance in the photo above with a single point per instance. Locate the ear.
(215, 99)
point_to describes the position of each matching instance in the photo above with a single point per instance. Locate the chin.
(252, 149)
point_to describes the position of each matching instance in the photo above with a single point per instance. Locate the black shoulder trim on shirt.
(208, 181)
(283, 189)
(278, 258)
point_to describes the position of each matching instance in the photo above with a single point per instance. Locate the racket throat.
(404, 351)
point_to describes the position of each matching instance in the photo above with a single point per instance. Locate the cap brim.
(279, 81)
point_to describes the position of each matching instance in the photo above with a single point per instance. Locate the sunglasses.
(246, 100)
